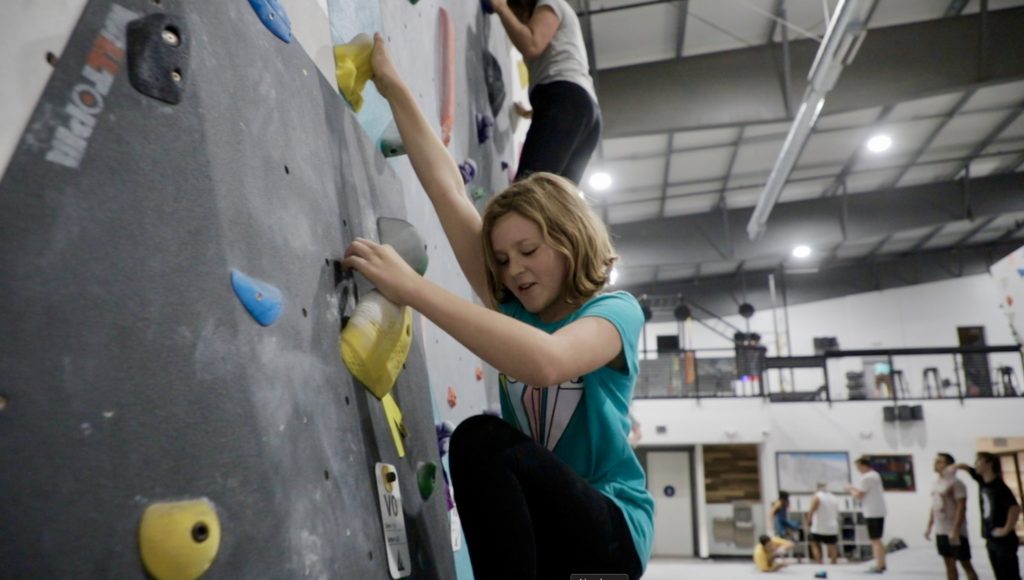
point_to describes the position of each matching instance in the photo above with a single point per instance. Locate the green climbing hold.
(426, 477)
(477, 193)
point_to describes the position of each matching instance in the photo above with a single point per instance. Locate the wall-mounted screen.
(897, 471)
(800, 471)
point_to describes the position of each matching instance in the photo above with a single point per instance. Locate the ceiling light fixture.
(842, 40)
(879, 143)
(801, 251)
(600, 181)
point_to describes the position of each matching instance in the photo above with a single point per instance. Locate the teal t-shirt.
(585, 421)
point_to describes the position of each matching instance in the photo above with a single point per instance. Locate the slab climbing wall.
(131, 373)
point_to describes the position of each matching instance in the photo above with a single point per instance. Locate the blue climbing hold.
(274, 17)
(484, 127)
(468, 170)
(263, 301)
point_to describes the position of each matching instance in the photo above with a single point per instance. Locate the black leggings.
(564, 132)
(525, 514)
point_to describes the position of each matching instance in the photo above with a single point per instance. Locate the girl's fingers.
(353, 263)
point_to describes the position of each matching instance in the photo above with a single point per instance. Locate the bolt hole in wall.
(304, 313)
(200, 532)
(327, 476)
(287, 171)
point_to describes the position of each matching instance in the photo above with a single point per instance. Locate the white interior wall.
(856, 427)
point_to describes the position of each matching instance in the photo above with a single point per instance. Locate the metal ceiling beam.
(684, 10)
(992, 135)
(716, 189)
(955, 8)
(895, 64)
(684, 240)
(840, 279)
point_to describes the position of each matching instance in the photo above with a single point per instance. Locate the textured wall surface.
(129, 371)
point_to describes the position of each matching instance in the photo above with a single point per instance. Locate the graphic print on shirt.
(542, 413)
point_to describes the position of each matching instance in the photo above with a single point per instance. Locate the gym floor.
(909, 564)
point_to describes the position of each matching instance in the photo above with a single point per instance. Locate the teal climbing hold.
(263, 301)
(391, 141)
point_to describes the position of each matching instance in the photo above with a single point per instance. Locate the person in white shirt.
(948, 518)
(823, 519)
(869, 491)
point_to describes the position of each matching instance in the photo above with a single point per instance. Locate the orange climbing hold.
(448, 78)
(453, 397)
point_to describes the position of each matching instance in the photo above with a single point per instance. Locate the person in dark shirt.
(999, 514)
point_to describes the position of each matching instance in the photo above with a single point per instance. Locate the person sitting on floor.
(767, 552)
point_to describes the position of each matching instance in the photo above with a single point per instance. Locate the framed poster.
(897, 471)
(800, 471)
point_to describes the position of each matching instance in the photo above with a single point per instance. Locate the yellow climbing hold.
(524, 74)
(394, 415)
(352, 68)
(375, 342)
(179, 540)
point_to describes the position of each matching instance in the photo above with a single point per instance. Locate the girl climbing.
(566, 119)
(552, 488)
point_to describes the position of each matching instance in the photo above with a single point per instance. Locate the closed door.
(671, 483)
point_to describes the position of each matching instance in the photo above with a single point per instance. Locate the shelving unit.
(854, 544)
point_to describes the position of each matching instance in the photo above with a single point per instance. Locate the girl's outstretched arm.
(435, 169)
(517, 349)
(532, 38)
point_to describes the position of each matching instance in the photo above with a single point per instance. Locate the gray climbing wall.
(129, 371)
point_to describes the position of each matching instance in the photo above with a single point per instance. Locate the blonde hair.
(567, 224)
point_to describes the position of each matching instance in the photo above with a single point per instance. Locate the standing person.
(552, 488)
(823, 518)
(999, 514)
(869, 491)
(769, 551)
(780, 516)
(566, 120)
(948, 518)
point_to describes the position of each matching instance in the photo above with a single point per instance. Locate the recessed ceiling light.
(600, 181)
(879, 143)
(801, 251)
(613, 276)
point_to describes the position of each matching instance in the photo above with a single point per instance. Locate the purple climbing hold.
(504, 165)
(468, 170)
(484, 127)
(487, 7)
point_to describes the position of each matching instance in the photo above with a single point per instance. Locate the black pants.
(525, 514)
(564, 132)
(1003, 556)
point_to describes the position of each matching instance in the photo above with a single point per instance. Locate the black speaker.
(889, 414)
(917, 413)
(668, 343)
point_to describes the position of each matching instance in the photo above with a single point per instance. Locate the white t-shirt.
(947, 491)
(825, 521)
(565, 58)
(873, 503)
